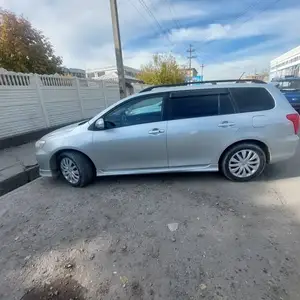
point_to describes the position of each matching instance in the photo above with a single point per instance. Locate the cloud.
(236, 68)
(81, 31)
(280, 23)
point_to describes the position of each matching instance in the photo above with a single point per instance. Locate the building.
(264, 76)
(112, 73)
(74, 72)
(288, 64)
(191, 75)
(190, 72)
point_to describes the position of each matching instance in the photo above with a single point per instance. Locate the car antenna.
(241, 75)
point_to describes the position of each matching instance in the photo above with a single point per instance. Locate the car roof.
(158, 89)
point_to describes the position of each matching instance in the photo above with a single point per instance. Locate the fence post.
(41, 98)
(79, 97)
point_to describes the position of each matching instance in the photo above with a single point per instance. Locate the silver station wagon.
(235, 126)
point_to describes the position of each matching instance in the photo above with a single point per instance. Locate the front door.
(134, 137)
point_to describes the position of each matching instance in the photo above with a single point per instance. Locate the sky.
(229, 36)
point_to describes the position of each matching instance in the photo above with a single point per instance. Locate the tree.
(24, 48)
(162, 70)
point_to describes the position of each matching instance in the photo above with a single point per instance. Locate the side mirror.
(100, 124)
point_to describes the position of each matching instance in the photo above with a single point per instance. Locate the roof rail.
(150, 88)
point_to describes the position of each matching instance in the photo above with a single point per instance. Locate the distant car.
(290, 87)
(235, 127)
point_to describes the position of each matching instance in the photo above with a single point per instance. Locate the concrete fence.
(31, 102)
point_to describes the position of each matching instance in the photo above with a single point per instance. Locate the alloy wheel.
(244, 163)
(69, 170)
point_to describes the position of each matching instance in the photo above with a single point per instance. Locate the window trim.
(135, 100)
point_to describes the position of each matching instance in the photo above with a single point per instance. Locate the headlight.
(40, 144)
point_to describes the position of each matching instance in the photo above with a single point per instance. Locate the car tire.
(80, 169)
(247, 156)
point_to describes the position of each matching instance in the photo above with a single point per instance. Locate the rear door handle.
(226, 124)
(155, 131)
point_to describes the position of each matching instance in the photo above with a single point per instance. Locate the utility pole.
(118, 47)
(190, 57)
(202, 71)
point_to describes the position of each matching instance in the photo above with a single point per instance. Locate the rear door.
(200, 124)
(255, 106)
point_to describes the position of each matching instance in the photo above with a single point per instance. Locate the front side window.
(252, 99)
(147, 109)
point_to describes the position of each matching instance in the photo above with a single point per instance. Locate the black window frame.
(250, 87)
(134, 100)
(199, 92)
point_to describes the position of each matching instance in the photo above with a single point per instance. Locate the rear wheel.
(76, 169)
(243, 162)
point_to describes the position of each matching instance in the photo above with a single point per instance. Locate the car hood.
(62, 131)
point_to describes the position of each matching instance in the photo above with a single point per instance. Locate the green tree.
(163, 69)
(24, 48)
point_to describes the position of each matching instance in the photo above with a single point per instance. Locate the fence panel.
(30, 102)
(137, 87)
(112, 93)
(60, 98)
(20, 108)
(92, 97)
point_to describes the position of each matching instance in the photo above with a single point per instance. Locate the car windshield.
(289, 85)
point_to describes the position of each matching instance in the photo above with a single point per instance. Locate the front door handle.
(226, 124)
(155, 131)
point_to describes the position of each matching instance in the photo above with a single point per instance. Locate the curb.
(19, 179)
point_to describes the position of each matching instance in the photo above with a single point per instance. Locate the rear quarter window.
(252, 99)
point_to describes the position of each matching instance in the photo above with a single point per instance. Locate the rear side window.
(201, 106)
(194, 106)
(225, 104)
(252, 99)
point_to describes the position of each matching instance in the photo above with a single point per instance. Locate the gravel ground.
(112, 240)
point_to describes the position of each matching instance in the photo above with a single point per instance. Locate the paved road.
(111, 240)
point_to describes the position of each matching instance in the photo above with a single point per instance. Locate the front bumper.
(44, 160)
(48, 173)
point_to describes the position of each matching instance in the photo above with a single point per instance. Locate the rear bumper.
(283, 149)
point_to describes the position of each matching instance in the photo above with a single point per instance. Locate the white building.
(111, 73)
(287, 64)
(74, 72)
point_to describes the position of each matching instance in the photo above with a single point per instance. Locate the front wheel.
(243, 162)
(76, 169)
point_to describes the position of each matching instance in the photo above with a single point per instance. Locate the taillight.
(295, 119)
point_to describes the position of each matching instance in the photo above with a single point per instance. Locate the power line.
(176, 22)
(135, 7)
(150, 13)
(247, 20)
(159, 26)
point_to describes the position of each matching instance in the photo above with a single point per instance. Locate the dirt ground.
(112, 240)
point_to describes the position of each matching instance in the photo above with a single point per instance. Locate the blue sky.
(230, 36)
